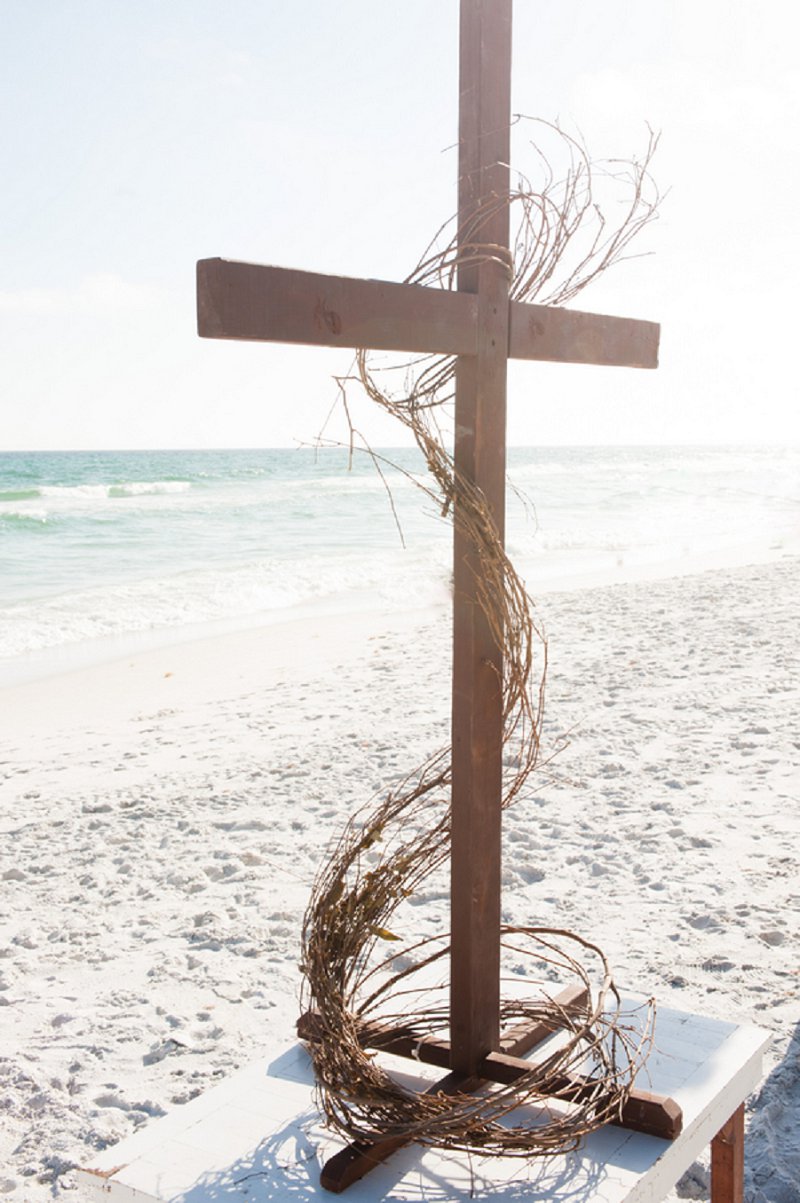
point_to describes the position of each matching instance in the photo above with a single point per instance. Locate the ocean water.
(101, 552)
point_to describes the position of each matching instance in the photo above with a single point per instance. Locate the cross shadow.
(772, 1149)
(286, 1164)
(285, 1168)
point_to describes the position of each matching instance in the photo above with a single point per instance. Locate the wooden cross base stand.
(652, 1114)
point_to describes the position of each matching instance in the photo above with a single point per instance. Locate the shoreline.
(67, 659)
(164, 816)
(194, 672)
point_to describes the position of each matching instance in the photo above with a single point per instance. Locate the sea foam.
(97, 545)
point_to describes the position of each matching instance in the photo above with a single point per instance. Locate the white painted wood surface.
(257, 1137)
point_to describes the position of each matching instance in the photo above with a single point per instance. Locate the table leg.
(727, 1161)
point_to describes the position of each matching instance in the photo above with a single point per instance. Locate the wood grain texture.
(480, 458)
(254, 302)
(570, 336)
(727, 1161)
(259, 303)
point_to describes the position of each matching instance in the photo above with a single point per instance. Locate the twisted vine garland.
(390, 846)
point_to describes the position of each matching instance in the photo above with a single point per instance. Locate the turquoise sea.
(104, 551)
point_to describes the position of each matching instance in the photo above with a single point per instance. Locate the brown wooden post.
(727, 1161)
(480, 441)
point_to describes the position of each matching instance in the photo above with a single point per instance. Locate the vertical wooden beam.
(480, 457)
(727, 1161)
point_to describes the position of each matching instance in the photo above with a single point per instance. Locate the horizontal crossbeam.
(254, 302)
(278, 304)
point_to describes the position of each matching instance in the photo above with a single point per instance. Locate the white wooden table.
(257, 1137)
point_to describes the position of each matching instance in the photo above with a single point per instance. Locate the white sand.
(162, 817)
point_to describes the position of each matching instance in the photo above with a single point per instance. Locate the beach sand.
(163, 815)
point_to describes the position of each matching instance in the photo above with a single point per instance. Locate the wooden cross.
(482, 327)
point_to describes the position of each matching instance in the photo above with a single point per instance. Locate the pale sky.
(139, 136)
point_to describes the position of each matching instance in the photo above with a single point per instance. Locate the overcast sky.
(139, 136)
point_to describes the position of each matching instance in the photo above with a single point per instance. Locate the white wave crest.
(133, 488)
(260, 587)
(140, 488)
(74, 491)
